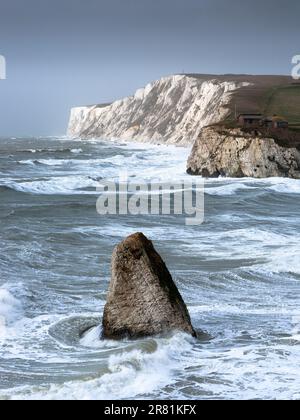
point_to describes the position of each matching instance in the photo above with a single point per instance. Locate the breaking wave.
(129, 374)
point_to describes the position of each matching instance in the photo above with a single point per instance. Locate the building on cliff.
(275, 122)
(250, 120)
(258, 120)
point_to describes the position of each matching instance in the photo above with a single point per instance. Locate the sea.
(238, 272)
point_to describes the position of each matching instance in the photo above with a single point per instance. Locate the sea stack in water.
(143, 300)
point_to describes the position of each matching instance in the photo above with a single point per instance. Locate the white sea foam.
(285, 186)
(226, 189)
(285, 260)
(231, 186)
(76, 151)
(281, 251)
(92, 339)
(145, 163)
(244, 371)
(56, 185)
(130, 374)
(10, 310)
(75, 175)
(47, 162)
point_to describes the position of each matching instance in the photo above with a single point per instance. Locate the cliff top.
(284, 138)
(266, 95)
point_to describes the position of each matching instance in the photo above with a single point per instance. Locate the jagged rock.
(234, 153)
(143, 300)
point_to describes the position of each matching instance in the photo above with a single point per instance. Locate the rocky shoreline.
(235, 153)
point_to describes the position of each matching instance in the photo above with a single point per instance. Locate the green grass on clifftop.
(285, 101)
(265, 94)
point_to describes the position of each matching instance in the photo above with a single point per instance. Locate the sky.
(65, 53)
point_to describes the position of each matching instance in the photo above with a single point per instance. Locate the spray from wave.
(10, 310)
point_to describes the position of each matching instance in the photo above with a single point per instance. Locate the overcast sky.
(63, 53)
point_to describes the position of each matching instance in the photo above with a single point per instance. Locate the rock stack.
(143, 300)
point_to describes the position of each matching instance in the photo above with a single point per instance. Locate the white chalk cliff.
(172, 110)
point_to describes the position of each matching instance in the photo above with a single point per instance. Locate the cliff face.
(233, 153)
(172, 110)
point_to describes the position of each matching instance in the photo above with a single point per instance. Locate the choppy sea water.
(239, 273)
